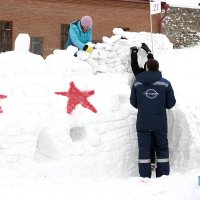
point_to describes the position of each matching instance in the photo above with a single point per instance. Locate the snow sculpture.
(22, 42)
(35, 127)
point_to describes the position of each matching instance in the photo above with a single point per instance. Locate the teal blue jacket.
(77, 37)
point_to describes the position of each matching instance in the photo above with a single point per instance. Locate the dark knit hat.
(152, 65)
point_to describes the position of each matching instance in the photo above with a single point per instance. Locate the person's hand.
(150, 56)
(134, 49)
(88, 48)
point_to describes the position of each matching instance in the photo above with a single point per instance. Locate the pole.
(151, 25)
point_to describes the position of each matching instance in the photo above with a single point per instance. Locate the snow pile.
(63, 63)
(182, 69)
(113, 55)
(36, 129)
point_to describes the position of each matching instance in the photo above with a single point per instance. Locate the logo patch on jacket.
(151, 94)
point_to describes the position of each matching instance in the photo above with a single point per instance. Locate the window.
(64, 35)
(37, 45)
(5, 36)
(126, 29)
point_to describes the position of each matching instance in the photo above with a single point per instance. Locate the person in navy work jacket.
(136, 70)
(152, 95)
(80, 33)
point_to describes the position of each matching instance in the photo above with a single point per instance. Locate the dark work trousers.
(153, 150)
(162, 152)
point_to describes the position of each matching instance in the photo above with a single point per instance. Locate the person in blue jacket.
(152, 95)
(80, 33)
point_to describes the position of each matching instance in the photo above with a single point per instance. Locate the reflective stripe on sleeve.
(144, 161)
(137, 83)
(160, 83)
(163, 160)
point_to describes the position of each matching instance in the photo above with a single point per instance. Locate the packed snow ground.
(49, 154)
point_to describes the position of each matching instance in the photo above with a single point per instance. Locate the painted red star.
(2, 97)
(77, 97)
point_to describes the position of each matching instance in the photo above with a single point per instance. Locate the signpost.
(155, 8)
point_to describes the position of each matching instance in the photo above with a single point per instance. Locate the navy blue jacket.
(152, 95)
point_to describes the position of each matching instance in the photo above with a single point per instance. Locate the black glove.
(150, 56)
(87, 48)
(134, 49)
(145, 47)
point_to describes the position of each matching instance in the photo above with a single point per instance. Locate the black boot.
(150, 56)
(146, 48)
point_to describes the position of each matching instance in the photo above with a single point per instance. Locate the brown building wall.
(44, 18)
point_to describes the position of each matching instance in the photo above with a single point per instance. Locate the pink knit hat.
(86, 21)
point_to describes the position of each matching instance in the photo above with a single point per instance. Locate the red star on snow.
(77, 97)
(2, 97)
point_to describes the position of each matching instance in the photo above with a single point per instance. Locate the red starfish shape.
(77, 97)
(2, 97)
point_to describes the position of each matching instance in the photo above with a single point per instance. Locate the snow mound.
(113, 55)
(35, 127)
